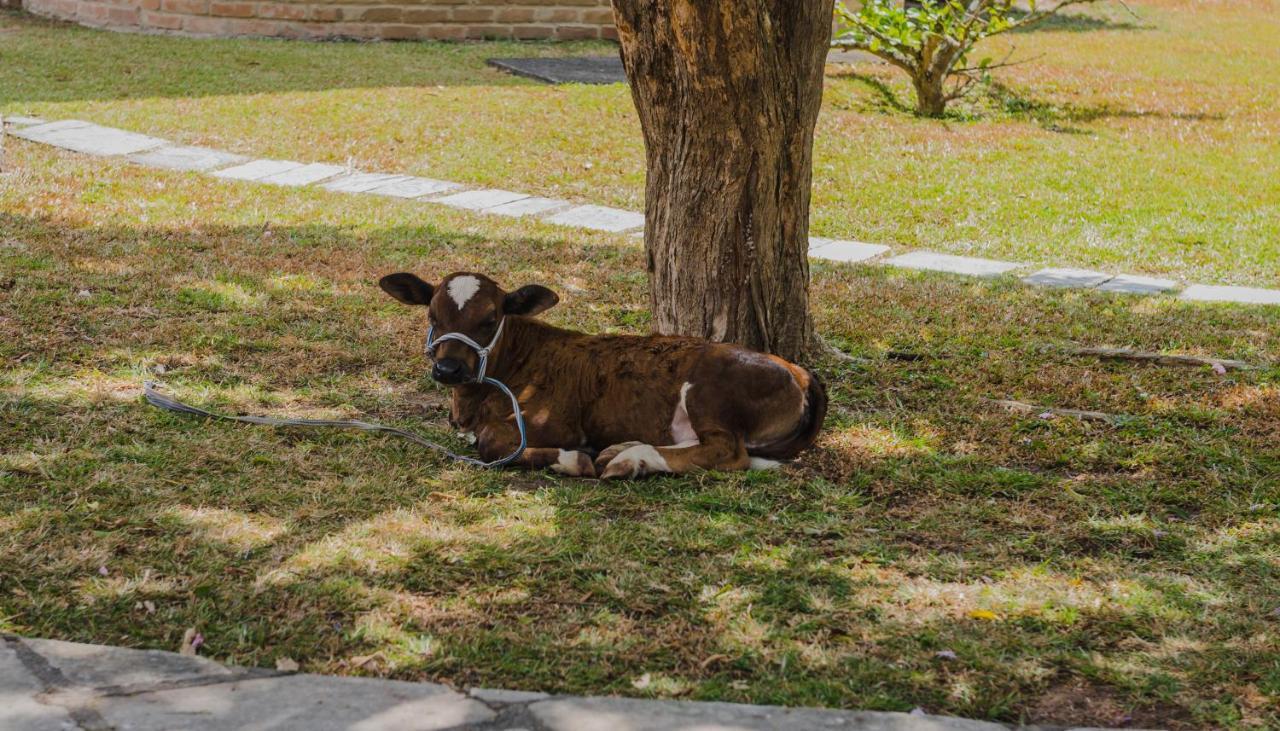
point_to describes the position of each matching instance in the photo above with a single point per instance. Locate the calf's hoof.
(635, 461)
(605, 457)
(574, 464)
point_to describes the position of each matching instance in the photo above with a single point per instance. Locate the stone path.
(47, 685)
(93, 139)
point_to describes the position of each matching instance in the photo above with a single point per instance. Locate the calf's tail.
(806, 432)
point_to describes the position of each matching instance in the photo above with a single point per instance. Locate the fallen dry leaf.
(191, 642)
(286, 664)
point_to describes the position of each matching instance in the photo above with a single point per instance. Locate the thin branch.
(1021, 407)
(1161, 358)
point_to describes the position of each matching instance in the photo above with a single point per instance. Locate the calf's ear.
(529, 300)
(407, 288)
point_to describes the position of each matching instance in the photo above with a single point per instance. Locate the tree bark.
(728, 93)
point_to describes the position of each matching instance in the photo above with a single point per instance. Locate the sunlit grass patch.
(236, 530)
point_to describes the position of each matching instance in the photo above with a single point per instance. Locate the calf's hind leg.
(714, 450)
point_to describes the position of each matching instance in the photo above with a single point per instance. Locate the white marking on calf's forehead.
(462, 289)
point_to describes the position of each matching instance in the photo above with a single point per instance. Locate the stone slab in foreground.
(311, 702)
(611, 714)
(19, 709)
(48, 685)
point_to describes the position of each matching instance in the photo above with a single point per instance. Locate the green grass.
(1081, 572)
(1143, 145)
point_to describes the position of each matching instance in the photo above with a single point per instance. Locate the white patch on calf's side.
(760, 463)
(681, 429)
(462, 289)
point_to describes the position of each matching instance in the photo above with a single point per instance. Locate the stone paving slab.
(1067, 277)
(48, 685)
(414, 187)
(479, 200)
(1135, 284)
(257, 169)
(360, 182)
(611, 714)
(599, 218)
(571, 70)
(311, 702)
(21, 121)
(304, 175)
(90, 139)
(506, 697)
(844, 251)
(1242, 295)
(19, 687)
(175, 157)
(531, 206)
(966, 265)
(101, 666)
(54, 126)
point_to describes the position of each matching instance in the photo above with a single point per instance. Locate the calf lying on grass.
(642, 404)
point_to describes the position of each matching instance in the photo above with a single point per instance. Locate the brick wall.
(363, 19)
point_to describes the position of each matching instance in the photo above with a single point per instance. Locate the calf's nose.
(449, 370)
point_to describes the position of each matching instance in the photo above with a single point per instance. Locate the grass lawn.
(1144, 144)
(1072, 572)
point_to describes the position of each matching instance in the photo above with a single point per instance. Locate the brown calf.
(642, 404)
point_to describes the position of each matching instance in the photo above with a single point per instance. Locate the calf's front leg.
(498, 441)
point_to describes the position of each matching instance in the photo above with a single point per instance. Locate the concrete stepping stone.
(87, 138)
(531, 206)
(506, 697)
(409, 187)
(19, 709)
(200, 159)
(360, 182)
(844, 251)
(599, 218)
(610, 714)
(257, 169)
(479, 200)
(312, 702)
(571, 70)
(965, 265)
(54, 126)
(1067, 277)
(21, 121)
(1135, 284)
(1243, 295)
(304, 175)
(100, 666)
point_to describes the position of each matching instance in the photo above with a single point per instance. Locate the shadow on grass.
(1079, 23)
(1040, 552)
(52, 61)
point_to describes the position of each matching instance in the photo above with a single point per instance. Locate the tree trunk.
(728, 93)
(931, 98)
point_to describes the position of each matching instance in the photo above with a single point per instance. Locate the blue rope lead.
(155, 398)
